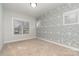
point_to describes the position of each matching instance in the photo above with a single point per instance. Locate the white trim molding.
(73, 14)
(63, 45)
(20, 40)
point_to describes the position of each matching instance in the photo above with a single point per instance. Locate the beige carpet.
(36, 47)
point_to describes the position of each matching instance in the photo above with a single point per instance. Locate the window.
(71, 17)
(20, 27)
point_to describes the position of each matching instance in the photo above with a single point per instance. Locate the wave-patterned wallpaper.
(51, 26)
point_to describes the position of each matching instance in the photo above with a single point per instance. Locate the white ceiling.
(27, 9)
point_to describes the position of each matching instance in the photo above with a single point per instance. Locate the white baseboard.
(72, 48)
(19, 40)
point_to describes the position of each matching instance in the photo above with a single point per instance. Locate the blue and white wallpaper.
(51, 26)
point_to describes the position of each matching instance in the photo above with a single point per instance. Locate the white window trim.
(69, 12)
(21, 19)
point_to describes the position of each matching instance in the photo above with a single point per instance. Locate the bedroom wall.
(51, 26)
(8, 35)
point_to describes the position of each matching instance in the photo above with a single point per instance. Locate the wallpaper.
(51, 26)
